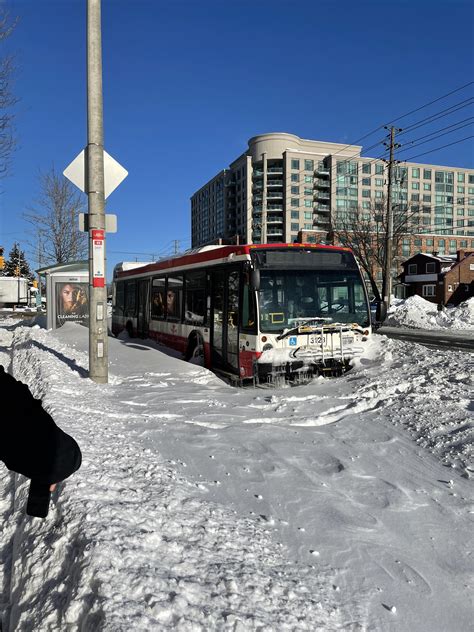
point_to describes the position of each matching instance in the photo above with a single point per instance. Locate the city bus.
(261, 312)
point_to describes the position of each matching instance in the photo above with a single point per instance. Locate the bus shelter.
(67, 293)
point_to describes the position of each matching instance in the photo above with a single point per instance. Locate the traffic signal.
(17, 271)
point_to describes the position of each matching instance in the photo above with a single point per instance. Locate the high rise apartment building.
(284, 186)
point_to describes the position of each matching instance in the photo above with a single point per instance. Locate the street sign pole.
(98, 344)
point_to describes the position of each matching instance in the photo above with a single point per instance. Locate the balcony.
(322, 195)
(257, 208)
(275, 207)
(275, 195)
(257, 172)
(256, 199)
(274, 183)
(322, 169)
(274, 219)
(275, 170)
(322, 208)
(275, 232)
(324, 184)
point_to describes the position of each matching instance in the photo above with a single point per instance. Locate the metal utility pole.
(176, 246)
(98, 344)
(387, 284)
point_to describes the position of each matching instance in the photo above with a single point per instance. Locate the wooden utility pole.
(387, 281)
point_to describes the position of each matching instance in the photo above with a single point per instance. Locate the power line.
(431, 102)
(437, 148)
(430, 140)
(437, 115)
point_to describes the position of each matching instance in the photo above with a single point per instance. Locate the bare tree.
(7, 99)
(365, 232)
(55, 219)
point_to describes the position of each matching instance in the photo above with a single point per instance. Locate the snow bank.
(341, 504)
(127, 545)
(418, 313)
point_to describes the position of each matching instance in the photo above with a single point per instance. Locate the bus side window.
(174, 295)
(248, 305)
(158, 299)
(130, 298)
(119, 297)
(195, 298)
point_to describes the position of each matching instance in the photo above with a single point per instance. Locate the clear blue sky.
(188, 82)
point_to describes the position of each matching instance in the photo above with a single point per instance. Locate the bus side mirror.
(255, 280)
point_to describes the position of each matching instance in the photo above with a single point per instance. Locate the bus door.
(143, 309)
(225, 319)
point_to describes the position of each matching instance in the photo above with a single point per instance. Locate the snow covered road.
(342, 504)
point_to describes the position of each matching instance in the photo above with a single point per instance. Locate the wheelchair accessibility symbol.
(292, 341)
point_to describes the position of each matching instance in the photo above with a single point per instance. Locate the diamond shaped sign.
(114, 173)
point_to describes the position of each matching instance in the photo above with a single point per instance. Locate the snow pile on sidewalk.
(418, 313)
(338, 505)
(131, 548)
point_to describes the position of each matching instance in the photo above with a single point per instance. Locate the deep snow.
(341, 504)
(416, 312)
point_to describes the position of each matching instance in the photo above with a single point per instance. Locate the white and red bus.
(257, 312)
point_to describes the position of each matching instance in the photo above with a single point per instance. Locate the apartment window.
(426, 198)
(366, 182)
(366, 193)
(295, 227)
(427, 174)
(309, 165)
(295, 202)
(379, 194)
(426, 186)
(366, 205)
(460, 223)
(412, 268)
(295, 214)
(428, 290)
(366, 167)
(308, 203)
(309, 179)
(295, 177)
(415, 186)
(429, 242)
(415, 197)
(471, 179)
(460, 189)
(308, 191)
(415, 173)
(461, 177)
(295, 164)
(379, 169)
(295, 190)
(441, 243)
(308, 215)
(470, 190)
(463, 243)
(417, 242)
(308, 226)
(379, 182)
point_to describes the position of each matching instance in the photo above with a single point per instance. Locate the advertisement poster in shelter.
(72, 303)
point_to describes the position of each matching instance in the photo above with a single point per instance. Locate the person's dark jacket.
(30, 442)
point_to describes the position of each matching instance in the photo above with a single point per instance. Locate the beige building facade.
(284, 188)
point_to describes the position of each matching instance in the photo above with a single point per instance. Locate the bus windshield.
(287, 297)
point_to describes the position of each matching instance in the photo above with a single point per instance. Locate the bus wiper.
(302, 322)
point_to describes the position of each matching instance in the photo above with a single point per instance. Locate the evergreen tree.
(16, 264)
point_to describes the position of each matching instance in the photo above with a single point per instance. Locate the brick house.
(440, 278)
